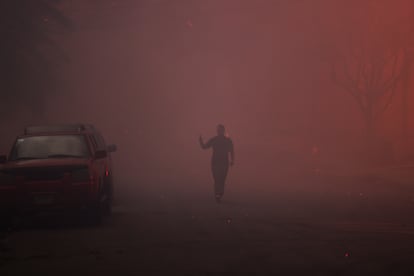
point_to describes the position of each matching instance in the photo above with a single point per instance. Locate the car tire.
(6, 221)
(95, 215)
(107, 207)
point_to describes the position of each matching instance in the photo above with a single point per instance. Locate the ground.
(311, 223)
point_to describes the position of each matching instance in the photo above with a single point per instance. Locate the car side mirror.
(100, 154)
(3, 159)
(111, 148)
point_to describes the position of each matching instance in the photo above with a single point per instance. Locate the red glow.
(315, 150)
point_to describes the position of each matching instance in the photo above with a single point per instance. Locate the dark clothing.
(222, 146)
(219, 175)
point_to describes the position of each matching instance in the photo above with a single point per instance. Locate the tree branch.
(387, 102)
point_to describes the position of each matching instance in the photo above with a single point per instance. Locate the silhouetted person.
(222, 148)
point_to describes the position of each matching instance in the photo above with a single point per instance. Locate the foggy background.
(153, 75)
(315, 94)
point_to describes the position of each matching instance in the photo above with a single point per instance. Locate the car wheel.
(95, 215)
(108, 199)
(6, 221)
(107, 207)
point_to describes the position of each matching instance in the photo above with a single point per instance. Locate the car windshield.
(54, 146)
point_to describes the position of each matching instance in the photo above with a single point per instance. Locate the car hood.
(44, 163)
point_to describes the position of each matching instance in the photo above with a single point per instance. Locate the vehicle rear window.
(54, 146)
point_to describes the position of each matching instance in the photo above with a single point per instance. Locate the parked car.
(58, 167)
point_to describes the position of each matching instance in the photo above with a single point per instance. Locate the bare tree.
(409, 49)
(370, 75)
(370, 56)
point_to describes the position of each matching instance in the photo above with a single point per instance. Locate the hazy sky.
(157, 73)
(196, 63)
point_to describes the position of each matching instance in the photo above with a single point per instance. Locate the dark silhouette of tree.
(371, 59)
(371, 77)
(408, 70)
(28, 50)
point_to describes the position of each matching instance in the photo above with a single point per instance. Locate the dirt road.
(349, 232)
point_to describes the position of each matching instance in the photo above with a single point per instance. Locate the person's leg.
(222, 178)
(217, 182)
(216, 177)
(219, 173)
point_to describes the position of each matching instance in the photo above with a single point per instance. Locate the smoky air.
(308, 103)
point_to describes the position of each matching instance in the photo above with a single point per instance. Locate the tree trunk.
(371, 144)
(369, 126)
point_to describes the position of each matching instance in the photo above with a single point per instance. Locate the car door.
(105, 163)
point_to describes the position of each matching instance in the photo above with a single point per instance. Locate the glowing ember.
(315, 150)
(317, 171)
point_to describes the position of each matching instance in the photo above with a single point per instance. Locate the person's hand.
(200, 140)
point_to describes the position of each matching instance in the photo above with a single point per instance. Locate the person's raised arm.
(202, 144)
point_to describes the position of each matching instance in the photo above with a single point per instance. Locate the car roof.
(59, 129)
